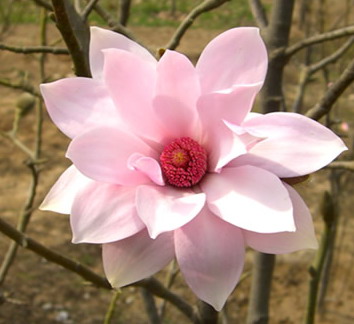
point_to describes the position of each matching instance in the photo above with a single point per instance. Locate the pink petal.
(147, 165)
(102, 154)
(104, 213)
(210, 253)
(232, 106)
(61, 196)
(77, 104)
(132, 82)
(103, 39)
(164, 209)
(237, 56)
(136, 257)
(295, 145)
(250, 198)
(286, 242)
(177, 91)
(222, 146)
(215, 110)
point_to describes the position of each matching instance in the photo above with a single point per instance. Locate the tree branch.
(344, 165)
(333, 93)
(151, 284)
(34, 49)
(334, 34)
(150, 306)
(75, 34)
(311, 69)
(260, 289)
(205, 6)
(44, 4)
(30, 244)
(88, 9)
(258, 13)
(117, 27)
(124, 11)
(155, 287)
(20, 86)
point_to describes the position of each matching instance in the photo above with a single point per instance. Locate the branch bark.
(333, 93)
(260, 288)
(277, 36)
(34, 49)
(124, 11)
(311, 69)
(30, 244)
(331, 35)
(44, 4)
(205, 6)
(258, 13)
(88, 9)
(75, 33)
(151, 284)
(344, 165)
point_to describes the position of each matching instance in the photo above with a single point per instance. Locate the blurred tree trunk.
(124, 11)
(276, 37)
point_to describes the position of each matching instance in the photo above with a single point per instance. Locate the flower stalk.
(329, 214)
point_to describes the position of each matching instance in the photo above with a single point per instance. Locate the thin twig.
(334, 34)
(205, 6)
(311, 69)
(155, 287)
(34, 49)
(113, 24)
(88, 9)
(329, 215)
(52, 256)
(44, 4)
(26, 213)
(171, 276)
(112, 306)
(18, 143)
(20, 86)
(333, 93)
(208, 315)
(152, 284)
(344, 165)
(150, 306)
(258, 13)
(22, 224)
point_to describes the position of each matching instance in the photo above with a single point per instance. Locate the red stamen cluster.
(183, 162)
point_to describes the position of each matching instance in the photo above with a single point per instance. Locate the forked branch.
(205, 6)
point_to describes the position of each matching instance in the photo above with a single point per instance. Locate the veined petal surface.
(104, 213)
(62, 195)
(250, 198)
(78, 104)
(165, 209)
(136, 257)
(131, 82)
(210, 253)
(177, 92)
(237, 56)
(103, 39)
(103, 154)
(286, 242)
(294, 145)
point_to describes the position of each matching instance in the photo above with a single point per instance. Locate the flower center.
(183, 162)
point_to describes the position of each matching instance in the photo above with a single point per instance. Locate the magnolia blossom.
(169, 162)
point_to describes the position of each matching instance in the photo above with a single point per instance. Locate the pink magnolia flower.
(168, 161)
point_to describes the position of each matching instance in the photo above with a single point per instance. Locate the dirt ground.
(40, 292)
